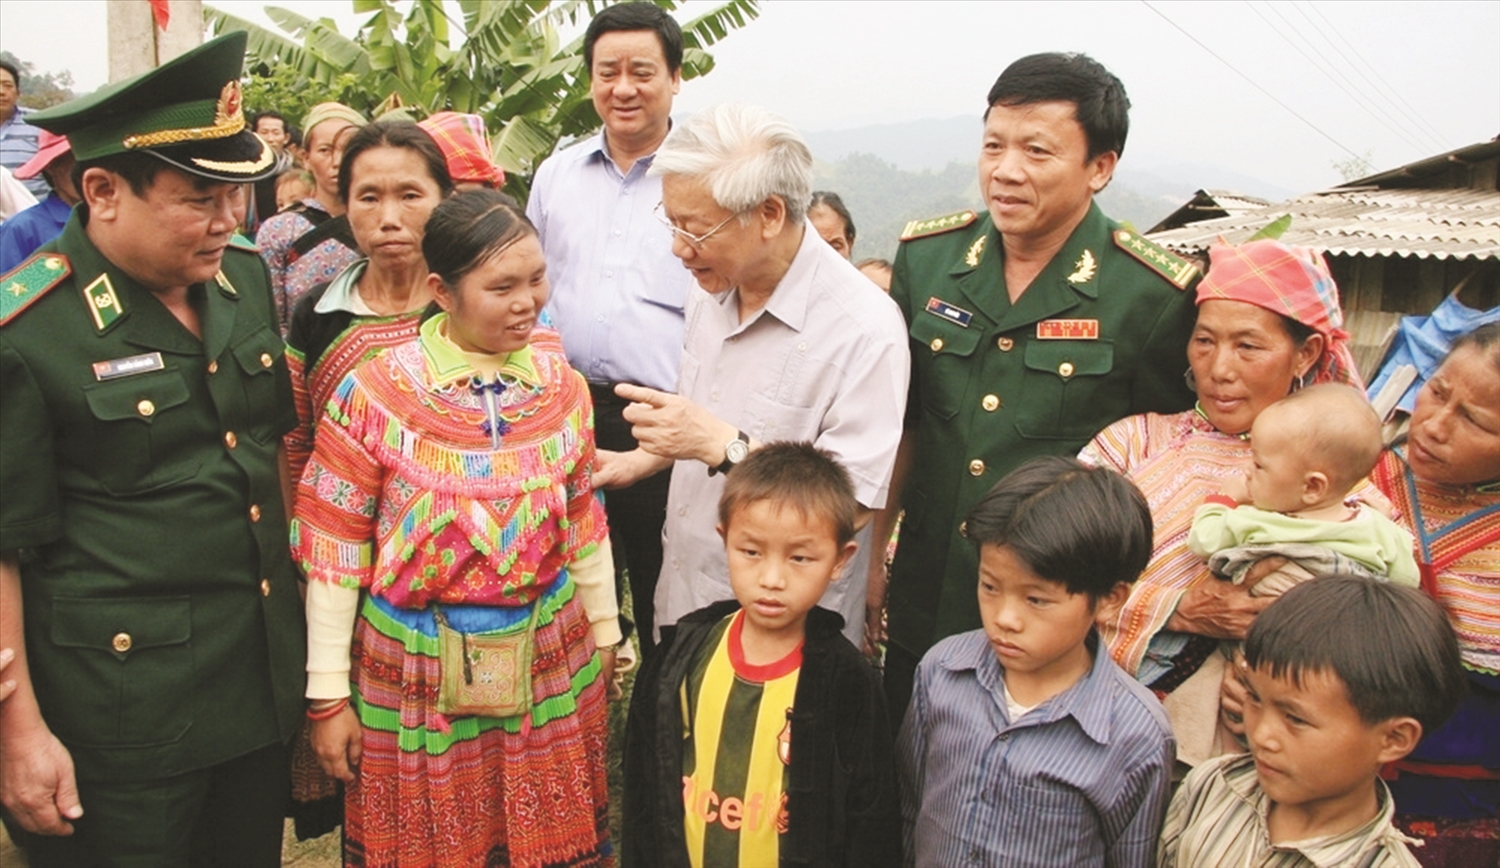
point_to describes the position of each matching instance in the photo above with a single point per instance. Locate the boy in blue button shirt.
(1024, 743)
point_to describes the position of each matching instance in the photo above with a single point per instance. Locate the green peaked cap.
(188, 112)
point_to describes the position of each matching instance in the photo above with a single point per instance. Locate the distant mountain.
(914, 145)
(891, 173)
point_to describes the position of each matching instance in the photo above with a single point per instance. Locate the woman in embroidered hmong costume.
(1445, 483)
(1268, 321)
(391, 177)
(449, 490)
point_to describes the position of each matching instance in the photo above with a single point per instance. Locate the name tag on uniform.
(116, 368)
(949, 312)
(1068, 330)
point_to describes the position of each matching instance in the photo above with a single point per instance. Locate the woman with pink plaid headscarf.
(1268, 323)
(466, 149)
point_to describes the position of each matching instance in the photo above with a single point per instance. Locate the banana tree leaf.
(1275, 229)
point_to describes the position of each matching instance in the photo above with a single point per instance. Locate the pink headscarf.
(1293, 282)
(465, 147)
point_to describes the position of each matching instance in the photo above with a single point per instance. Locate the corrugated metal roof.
(1441, 224)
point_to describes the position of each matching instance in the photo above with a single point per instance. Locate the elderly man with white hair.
(788, 341)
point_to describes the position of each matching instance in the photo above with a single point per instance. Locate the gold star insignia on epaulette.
(1084, 268)
(1176, 270)
(937, 225)
(976, 250)
(23, 285)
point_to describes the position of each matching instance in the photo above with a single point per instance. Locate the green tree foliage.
(41, 90)
(503, 60)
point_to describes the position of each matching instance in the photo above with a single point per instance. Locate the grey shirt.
(826, 361)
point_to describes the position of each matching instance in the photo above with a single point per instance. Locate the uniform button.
(145, 407)
(255, 512)
(1065, 369)
(990, 403)
(1005, 345)
(937, 345)
(121, 643)
(976, 467)
(266, 361)
(230, 440)
(213, 367)
(265, 587)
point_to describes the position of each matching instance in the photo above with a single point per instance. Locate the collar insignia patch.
(976, 250)
(103, 304)
(1084, 269)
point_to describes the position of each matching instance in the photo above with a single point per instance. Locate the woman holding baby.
(1268, 323)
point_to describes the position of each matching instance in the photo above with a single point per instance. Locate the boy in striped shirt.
(757, 734)
(1024, 743)
(1342, 675)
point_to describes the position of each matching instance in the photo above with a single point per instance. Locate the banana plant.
(501, 59)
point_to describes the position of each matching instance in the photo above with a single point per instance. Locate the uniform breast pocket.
(117, 670)
(257, 356)
(141, 423)
(1068, 393)
(944, 359)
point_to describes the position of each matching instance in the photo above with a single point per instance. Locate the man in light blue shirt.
(18, 139)
(617, 289)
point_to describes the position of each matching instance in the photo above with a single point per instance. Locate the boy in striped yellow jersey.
(1342, 675)
(757, 735)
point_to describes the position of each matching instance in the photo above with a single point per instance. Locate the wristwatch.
(734, 452)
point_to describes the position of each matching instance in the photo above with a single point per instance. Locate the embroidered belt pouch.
(485, 674)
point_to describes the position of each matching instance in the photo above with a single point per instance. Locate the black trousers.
(636, 515)
(900, 679)
(228, 814)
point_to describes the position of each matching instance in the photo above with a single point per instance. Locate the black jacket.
(842, 803)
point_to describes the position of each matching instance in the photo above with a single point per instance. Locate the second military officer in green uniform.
(142, 529)
(1033, 326)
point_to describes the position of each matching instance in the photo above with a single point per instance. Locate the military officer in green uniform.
(1033, 325)
(144, 569)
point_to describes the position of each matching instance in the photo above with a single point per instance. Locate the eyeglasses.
(693, 241)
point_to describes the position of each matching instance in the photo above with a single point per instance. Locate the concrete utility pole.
(136, 44)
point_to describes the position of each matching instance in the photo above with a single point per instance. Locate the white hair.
(743, 154)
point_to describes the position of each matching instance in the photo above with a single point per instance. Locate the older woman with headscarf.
(1268, 323)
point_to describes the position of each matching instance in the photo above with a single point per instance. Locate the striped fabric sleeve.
(1121, 446)
(299, 441)
(333, 533)
(587, 525)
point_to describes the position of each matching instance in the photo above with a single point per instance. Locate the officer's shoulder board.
(29, 281)
(937, 225)
(240, 242)
(1173, 268)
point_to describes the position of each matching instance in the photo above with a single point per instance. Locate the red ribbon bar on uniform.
(1068, 330)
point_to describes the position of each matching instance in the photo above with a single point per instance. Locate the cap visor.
(238, 159)
(40, 160)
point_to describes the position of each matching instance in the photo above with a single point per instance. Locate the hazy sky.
(1434, 85)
